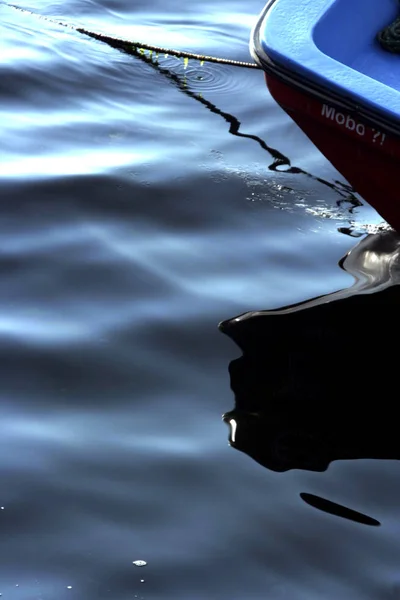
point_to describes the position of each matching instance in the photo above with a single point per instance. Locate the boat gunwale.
(303, 83)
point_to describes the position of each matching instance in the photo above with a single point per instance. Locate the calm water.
(135, 217)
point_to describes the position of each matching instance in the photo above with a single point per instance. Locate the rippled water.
(143, 202)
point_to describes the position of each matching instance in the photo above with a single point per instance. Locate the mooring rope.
(127, 46)
(389, 37)
(279, 160)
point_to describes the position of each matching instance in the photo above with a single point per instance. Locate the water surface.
(143, 202)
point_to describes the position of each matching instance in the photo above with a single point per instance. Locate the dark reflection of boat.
(317, 381)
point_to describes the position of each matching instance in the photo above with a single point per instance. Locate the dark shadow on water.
(317, 381)
(338, 510)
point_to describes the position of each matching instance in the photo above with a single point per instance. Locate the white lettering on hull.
(346, 121)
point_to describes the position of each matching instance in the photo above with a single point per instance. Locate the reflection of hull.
(375, 265)
(368, 158)
(316, 381)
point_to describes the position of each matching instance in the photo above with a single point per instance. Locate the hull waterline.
(368, 157)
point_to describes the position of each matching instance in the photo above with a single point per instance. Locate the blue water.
(132, 222)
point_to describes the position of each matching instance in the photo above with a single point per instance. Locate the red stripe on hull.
(368, 158)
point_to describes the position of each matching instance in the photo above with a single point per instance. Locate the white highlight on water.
(139, 563)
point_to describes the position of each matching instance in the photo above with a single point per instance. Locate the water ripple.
(145, 199)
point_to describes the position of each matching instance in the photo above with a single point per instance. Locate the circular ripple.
(206, 77)
(212, 77)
